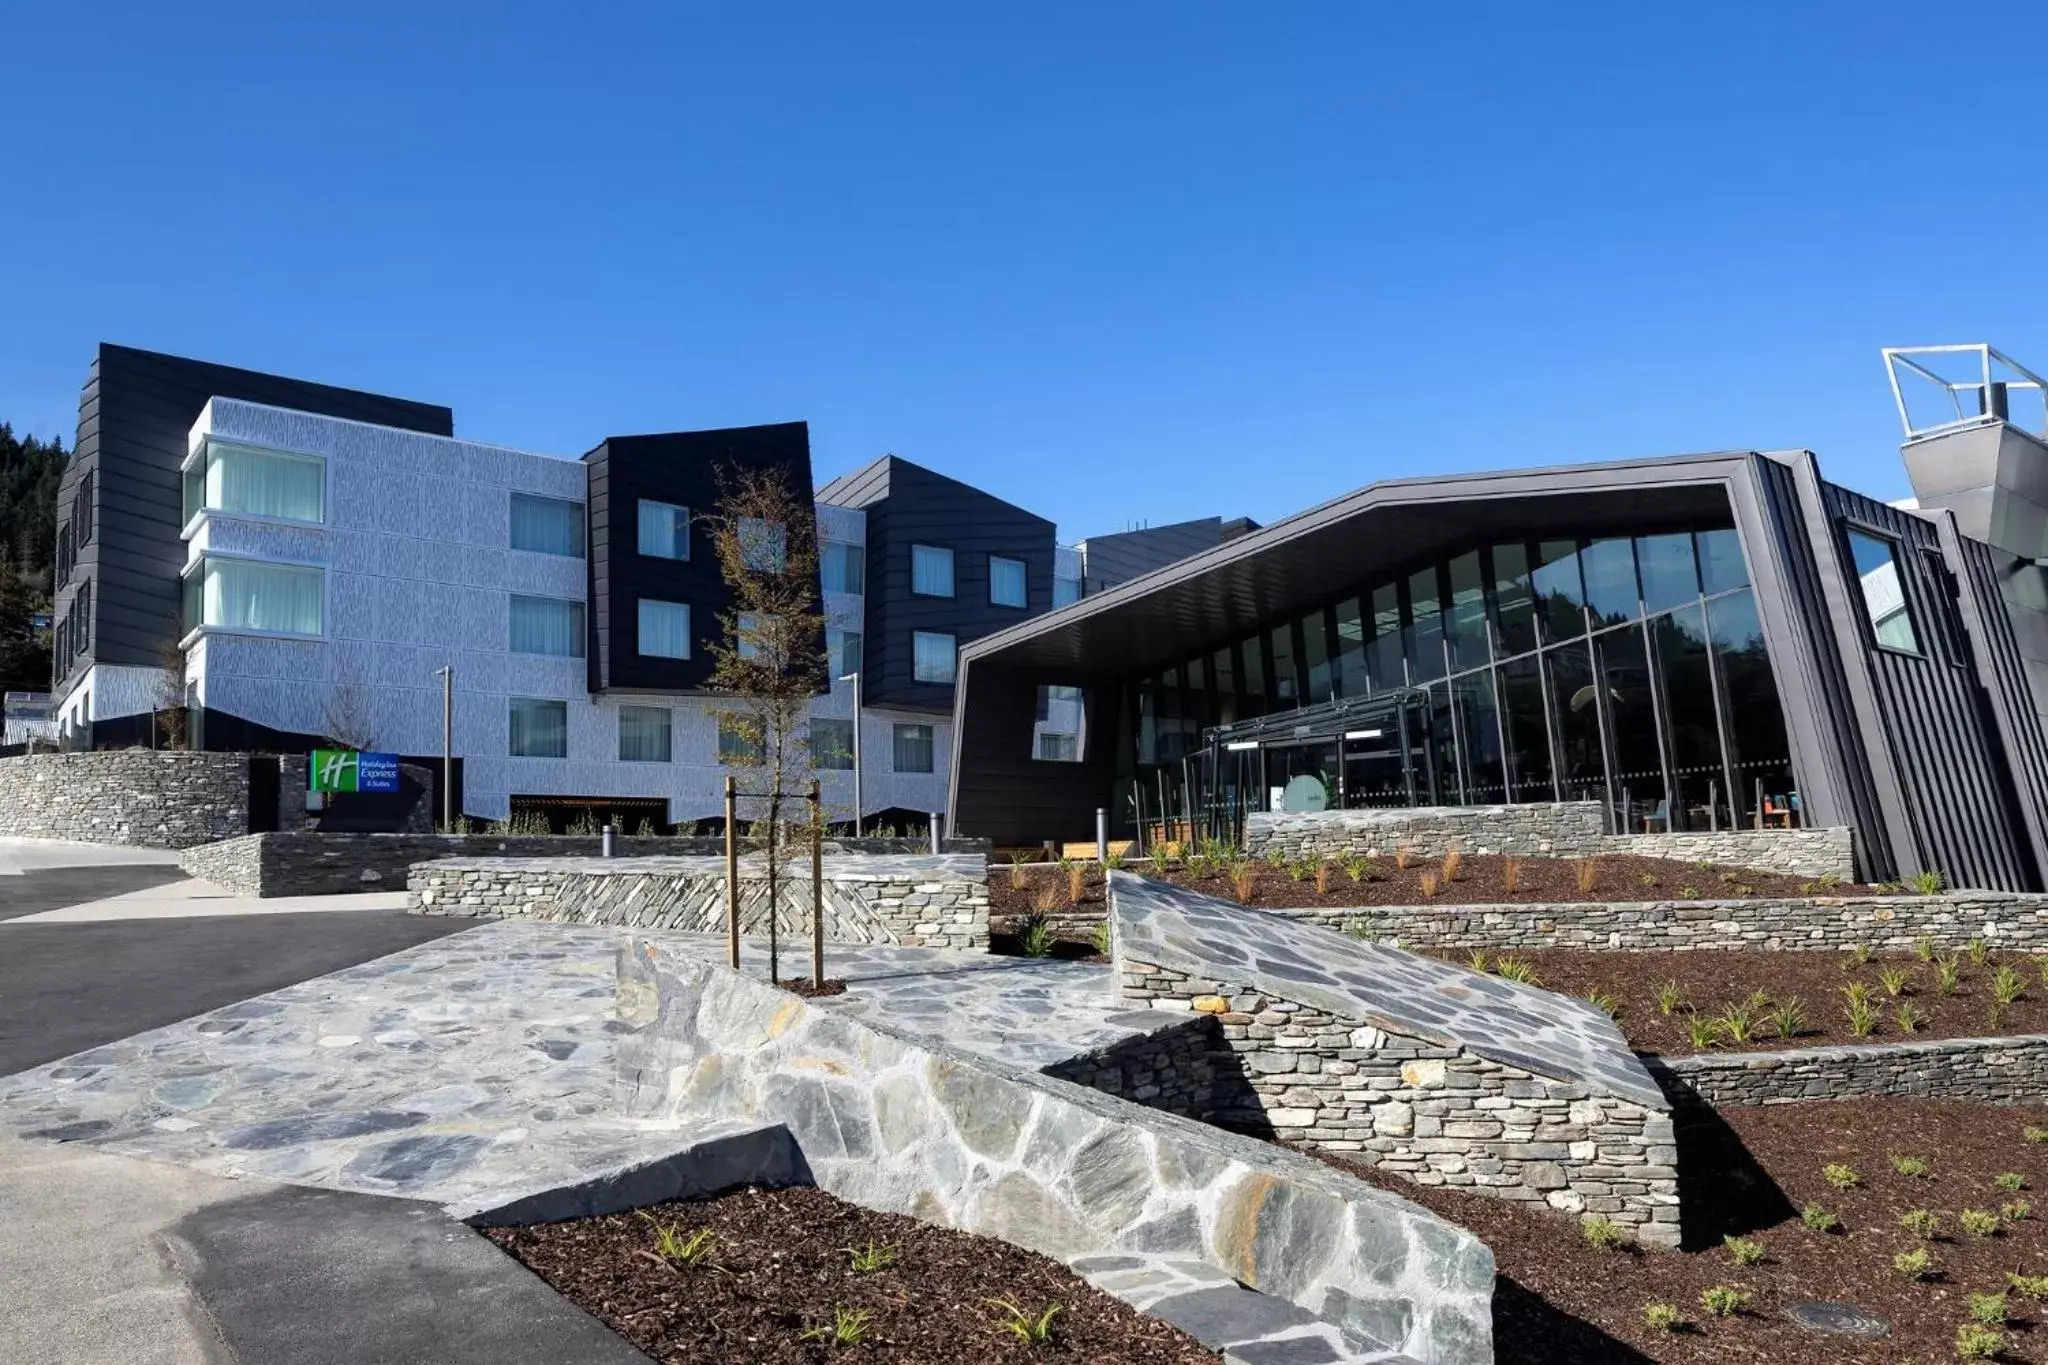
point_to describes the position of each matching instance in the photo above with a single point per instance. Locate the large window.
(539, 728)
(931, 571)
(1884, 591)
(664, 629)
(227, 477)
(831, 744)
(546, 625)
(842, 649)
(764, 545)
(644, 734)
(931, 657)
(664, 530)
(548, 526)
(912, 750)
(739, 739)
(1065, 591)
(1006, 582)
(247, 594)
(843, 566)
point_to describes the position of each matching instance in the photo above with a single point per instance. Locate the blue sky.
(1115, 262)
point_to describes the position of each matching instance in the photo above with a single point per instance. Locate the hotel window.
(843, 566)
(843, 649)
(226, 477)
(247, 594)
(664, 629)
(912, 750)
(1884, 592)
(83, 504)
(931, 571)
(832, 744)
(931, 657)
(644, 734)
(754, 638)
(738, 739)
(546, 625)
(539, 728)
(1006, 582)
(547, 526)
(664, 530)
(764, 545)
(1054, 748)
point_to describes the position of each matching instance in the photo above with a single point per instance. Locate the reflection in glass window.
(1560, 596)
(664, 530)
(931, 571)
(1575, 721)
(1286, 686)
(644, 734)
(1315, 659)
(1383, 652)
(843, 566)
(1468, 612)
(842, 650)
(932, 655)
(539, 728)
(764, 545)
(1758, 751)
(832, 744)
(911, 750)
(546, 625)
(1884, 592)
(1669, 578)
(1690, 710)
(1513, 601)
(1425, 626)
(1638, 761)
(547, 526)
(1062, 720)
(1610, 568)
(1065, 591)
(664, 629)
(1054, 748)
(1721, 564)
(1351, 674)
(1528, 733)
(1006, 582)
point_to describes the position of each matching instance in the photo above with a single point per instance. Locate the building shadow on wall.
(1722, 1191)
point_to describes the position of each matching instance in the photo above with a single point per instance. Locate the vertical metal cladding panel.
(1795, 550)
(1953, 773)
(2003, 673)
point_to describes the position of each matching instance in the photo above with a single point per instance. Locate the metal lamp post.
(854, 678)
(447, 677)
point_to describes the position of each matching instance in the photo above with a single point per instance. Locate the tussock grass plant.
(1917, 1264)
(1895, 980)
(1025, 1326)
(1670, 997)
(1723, 1300)
(849, 1327)
(1908, 1017)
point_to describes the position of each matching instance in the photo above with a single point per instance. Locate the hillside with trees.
(29, 471)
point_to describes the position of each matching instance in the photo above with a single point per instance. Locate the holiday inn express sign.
(345, 770)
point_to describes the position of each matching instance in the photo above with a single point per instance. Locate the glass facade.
(1628, 670)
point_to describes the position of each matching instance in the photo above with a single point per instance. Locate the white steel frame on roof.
(1993, 372)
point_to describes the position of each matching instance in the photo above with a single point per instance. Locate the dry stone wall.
(928, 900)
(1446, 1076)
(154, 798)
(2009, 1071)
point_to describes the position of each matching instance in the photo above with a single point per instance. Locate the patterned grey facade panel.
(1205, 938)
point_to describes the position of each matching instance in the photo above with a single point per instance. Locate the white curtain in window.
(264, 483)
(644, 734)
(243, 594)
(832, 743)
(844, 566)
(548, 526)
(546, 625)
(931, 657)
(1006, 581)
(843, 649)
(540, 729)
(913, 749)
(664, 629)
(664, 530)
(931, 571)
(764, 545)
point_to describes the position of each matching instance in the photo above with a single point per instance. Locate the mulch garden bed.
(780, 1264)
(804, 986)
(1712, 988)
(1480, 880)
(1750, 1172)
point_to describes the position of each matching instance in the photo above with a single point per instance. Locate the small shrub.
(1670, 995)
(1511, 880)
(2034, 1135)
(1241, 883)
(1603, 1234)
(1863, 1016)
(1663, 1317)
(1746, 1250)
(681, 1248)
(1819, 1219)
(1948, 973)
(1511, 968)
(872, 1257)
(2016, 1211)
(1607, 1004)
(1840, 1176)
(1738, 1020)
(2028, 1286)
(1921, 1223)
(1858, 956)
(1923, 948)
(1586, 871)
(1925, 883)
(1981, 1222)
(1916, 1264)
(1356, 865)
(1098, 938)
(1909, 1018)
(1454, 866)
(849, 1327)
(1723, 1300)
(1688, 893)
(1895, 980)
(1022, 1325)
(1113, 860)
(1035, 936)
(1480, 960)
(1978, 1343)
(1649, 880)
(2007, 985)
(1913, 1166)
(1300, 869)
(2010, 1180)
(1702, 1031)
(1323, 871)
(1978, 951)
(1426, 883)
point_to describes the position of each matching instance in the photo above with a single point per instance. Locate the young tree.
(168, 724)
(770, 657)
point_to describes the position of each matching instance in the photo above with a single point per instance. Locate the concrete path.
(114, 1261)
(50, 881)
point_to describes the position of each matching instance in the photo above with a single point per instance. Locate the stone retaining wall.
(2005, 919)
(1179, 1070)
(2011, 1071)
(928, 901)
(154, 798)
(1561, 830)
(895, 1123)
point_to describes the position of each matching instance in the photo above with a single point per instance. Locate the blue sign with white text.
(377, 772)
